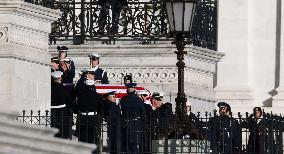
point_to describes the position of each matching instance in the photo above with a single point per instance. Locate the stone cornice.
(9, 6)
(21, 58)
(135, 50)
(204, 53)
(20, 13)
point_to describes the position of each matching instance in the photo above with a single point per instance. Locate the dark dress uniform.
(133, 113)
(90, 108)
(225, 134)
(147, 129)
(54, 60)
(69, 74)
(61, 112)
(192, 127)
(162, 120)
(259, 138)
(101, 75)
(112, 112)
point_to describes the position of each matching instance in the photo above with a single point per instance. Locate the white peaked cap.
(89, 82)
(56, 74)
(142, 92)
(65, 59)
(94, 55)
(88, 70)
(188, 103)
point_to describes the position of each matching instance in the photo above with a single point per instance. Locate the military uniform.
(100, 74)
(69, 73)
(259, 139)
(54, 60)
(133, 113)
(61, 111)
(112, 112)
(225, 133)
(89, 116)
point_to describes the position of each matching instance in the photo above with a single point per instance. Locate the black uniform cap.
(157, 96)
(224, 104)
(112, 93)
(55, 59)
(62, 48)
(127, 77)
(257, 109)
(131, 85)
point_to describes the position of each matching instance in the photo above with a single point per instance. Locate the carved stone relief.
(27, 37)
(3, 34)
(159, 75)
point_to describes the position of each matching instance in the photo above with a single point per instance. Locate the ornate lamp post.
(180, 16)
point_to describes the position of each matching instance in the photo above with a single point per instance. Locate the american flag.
(120, 90)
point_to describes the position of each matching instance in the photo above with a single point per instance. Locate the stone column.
(247, 35)
(233, 75)
(278, 100)
(262, 49)
(24, 58)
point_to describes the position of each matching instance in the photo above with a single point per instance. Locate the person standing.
(132, 114)
(66, 65)
(116, 7)
(54, 64)
(258, 138)
(61, 112)
(225, 131)
(100, 74)
(112, 113)
(89, 106)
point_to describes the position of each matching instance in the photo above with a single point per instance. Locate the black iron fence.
(110, 21)
(165, 133)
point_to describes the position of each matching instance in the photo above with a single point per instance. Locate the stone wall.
(24, 60)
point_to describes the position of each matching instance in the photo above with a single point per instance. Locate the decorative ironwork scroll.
(111, 21)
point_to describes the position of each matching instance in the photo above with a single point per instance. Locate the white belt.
(88, 113)
(68, 84)
(58, 107)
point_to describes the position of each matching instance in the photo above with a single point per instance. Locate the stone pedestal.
(24, 58)
(153, 66)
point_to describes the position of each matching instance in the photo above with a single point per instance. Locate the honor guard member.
(259, 138)
(132, 114)
(90, 109)
(193, 126)
(127, 79)
(61, 113)
(112, 112)
(143, 94)
(160, 116)
(54, 64)
(101, 75)
(66, 65)
(225, 131)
